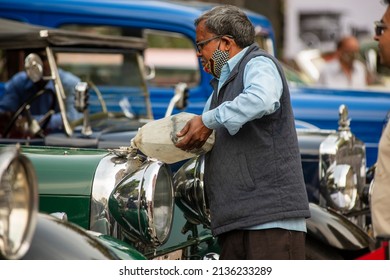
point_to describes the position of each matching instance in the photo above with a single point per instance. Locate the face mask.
(216, 62)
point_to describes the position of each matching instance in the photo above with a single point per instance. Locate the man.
(253, 174)
(380, 202)
(20, 88)
(344, 71)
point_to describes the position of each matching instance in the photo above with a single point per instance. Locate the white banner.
(187, 270)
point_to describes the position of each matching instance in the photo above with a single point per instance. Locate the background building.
(302, 24)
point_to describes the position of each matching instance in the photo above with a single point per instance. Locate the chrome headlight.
(342, 167)
(142, 204)
(18, 203)
(342, 190)
(190, 193)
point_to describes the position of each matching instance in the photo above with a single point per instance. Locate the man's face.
(206, 49)
(349, 51)
(384, 39)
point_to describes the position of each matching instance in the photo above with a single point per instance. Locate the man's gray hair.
(229, 20)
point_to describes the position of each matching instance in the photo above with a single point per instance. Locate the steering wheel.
(25, 107)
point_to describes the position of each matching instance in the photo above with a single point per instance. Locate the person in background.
(253, 174)
(345, 70)
(20, 88)
(380, 200)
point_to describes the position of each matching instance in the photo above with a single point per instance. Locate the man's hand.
(194, 134)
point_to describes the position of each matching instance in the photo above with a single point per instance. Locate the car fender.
(56, 239)
(335, 230)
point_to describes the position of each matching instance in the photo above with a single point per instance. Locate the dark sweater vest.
(254, 176)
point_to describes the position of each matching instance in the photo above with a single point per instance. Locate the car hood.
(64, 171)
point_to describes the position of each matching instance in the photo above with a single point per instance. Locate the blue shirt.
(263, 88)
(19, 88)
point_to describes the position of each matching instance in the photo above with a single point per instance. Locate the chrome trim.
(7, 156)
(339, 182)
(60, 93)
(370, 190)
(133, 205)
(109, 172)
(142, 70)
(150, 185)
(211, 257)
(190, 191)
(342, 148)
(33, 66)
(60, 215)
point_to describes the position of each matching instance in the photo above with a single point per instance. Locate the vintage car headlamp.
(18, 203)
(190, 193)
(342, 167)
(142, 204)
(342, 187)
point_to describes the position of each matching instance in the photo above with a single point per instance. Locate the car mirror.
(150, 72)
(81, 97)
(182, 91)
(34, 67)
(179, 99)
(81, 105)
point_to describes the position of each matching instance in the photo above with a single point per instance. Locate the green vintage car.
(29, 235)
(138, 205)
(119, 197)
(123, 196)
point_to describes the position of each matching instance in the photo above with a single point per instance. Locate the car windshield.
(108, 73)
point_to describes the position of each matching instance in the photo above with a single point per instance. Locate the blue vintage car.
(22, 46)
(171, 58)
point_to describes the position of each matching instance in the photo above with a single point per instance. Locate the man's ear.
(229, 42)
